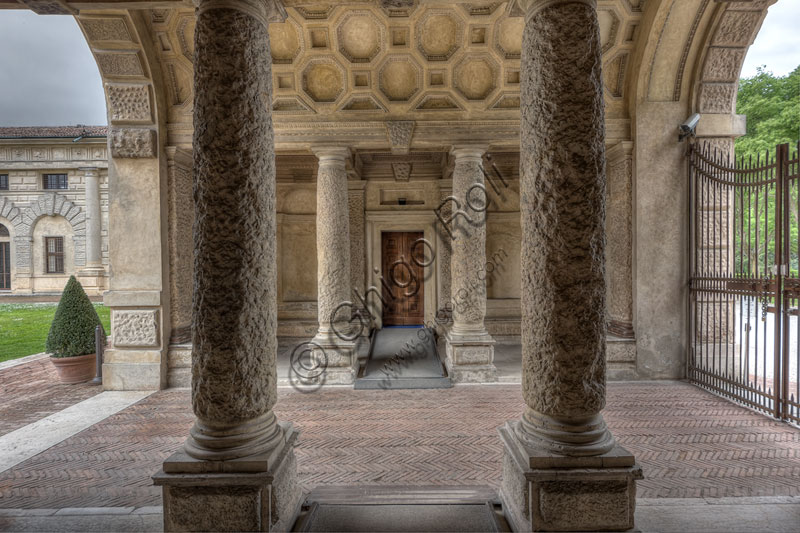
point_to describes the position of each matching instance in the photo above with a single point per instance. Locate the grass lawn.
(24, 327)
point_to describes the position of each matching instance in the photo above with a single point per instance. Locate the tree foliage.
(72, 331)
(772, 106)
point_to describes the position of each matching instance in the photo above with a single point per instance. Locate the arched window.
(3, 231)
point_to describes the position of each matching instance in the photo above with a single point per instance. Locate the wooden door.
(5, 266)
(403, 286)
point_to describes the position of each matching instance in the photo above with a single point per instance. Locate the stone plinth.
(257, 493)
(340, 358)
(543, 491)
(470, 357)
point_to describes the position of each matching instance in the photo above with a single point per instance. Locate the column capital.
(466, 151)
(531, 7)
(89, 171)
(265, 11)
(332, 155)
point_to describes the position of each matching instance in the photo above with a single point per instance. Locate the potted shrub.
(70, 342)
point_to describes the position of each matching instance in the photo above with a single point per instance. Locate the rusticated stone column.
(470, 348)
(237, 469)
(562, 469)
(333, 266)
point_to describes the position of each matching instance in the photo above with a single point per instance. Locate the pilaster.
(469, 348)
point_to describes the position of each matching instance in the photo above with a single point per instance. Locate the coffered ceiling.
(360, 61)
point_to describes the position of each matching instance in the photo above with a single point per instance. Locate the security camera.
(688, 127)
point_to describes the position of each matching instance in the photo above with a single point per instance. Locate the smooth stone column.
(91, 181)
(92, 275)
(237, 469)
(470, 348)
(562, 469)
(333, 267)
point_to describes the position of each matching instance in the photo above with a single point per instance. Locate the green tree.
(72, 331)
(772, 106)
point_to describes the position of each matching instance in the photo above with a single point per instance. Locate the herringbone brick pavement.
(31, 391)
(689, 442)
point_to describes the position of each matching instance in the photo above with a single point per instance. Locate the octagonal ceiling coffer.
(439, 34)
(360, 36)
(508, 37)
(400, 78)
(323, 80)
(285, 42)
(475, 77)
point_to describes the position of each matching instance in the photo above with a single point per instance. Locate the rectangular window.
(54, 181)
(3, 182)
(54, 255)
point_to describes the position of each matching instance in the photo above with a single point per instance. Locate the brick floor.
(689, 442)
(31, 391)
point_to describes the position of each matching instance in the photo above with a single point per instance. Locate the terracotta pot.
(75, 369)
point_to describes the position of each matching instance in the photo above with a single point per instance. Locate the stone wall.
(31, 212)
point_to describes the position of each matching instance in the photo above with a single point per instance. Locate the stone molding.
(331, 155)
(530, 8)
(49, 7)
(265, 11)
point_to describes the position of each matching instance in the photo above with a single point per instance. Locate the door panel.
(403, 287)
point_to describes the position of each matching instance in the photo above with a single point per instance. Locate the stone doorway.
(403, 290)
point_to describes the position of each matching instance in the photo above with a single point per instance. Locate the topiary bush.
(72, 331)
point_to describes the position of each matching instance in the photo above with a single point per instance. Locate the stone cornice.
(431, 135)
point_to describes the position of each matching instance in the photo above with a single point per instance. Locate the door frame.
(384, 221)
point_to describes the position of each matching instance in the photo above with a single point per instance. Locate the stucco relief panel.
(135, 328)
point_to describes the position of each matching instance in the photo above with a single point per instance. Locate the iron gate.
(744, 282)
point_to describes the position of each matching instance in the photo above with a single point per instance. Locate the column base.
(251, 494)
(470, 357)
(543, 491)
(341, 358)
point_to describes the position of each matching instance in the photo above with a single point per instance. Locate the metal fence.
(744, 281)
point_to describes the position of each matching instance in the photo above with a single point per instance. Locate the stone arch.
(733, 30)
(48, 204)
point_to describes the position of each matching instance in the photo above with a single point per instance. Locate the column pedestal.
(470, 357)
(256, 493)
(340, 358)
(544, 491)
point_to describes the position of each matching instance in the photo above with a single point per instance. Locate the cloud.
(49, 75)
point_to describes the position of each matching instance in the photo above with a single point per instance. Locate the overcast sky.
(49, 78)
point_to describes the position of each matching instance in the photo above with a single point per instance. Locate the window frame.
(56, 255)
(4, 185)
(47, 184)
